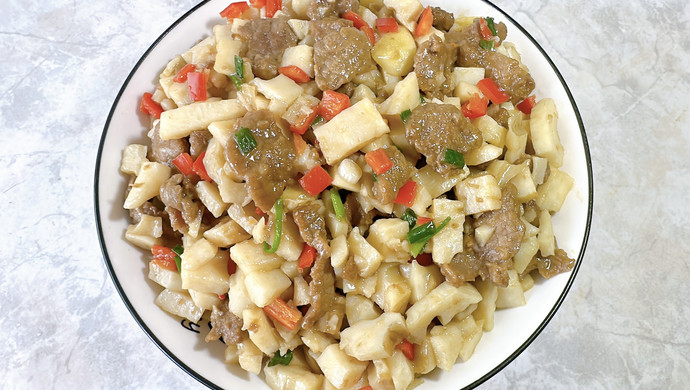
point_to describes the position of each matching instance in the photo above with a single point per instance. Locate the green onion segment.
(338, 206)
(487, 45)
(278, 228)
(178, 260)
(405, 115)
(454, 157)
(245, 141)
(282, 360)
(239, 67)
(410, 217)
(419, 236)
(491, 25)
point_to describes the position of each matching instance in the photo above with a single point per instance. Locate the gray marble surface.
(623, 326)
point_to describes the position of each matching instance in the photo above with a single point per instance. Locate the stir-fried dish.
(347, 190)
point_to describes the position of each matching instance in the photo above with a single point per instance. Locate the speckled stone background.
(625, 324)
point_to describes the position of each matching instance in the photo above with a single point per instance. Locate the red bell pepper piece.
(332, 103)
(300, 144)
(426, 20)
(181, 76)
(366, 388)
(355, 19)
(273, 6)
(379, 161)
(257, 3)
(304, 122)
(423, 220)
(200, 168)
(369, 32)
(485, 30)
(184, 163)
(407, 349)
(149, 106)
(316, 180)
(197, 86)
(234, 10)
(284, 314)
(164, 257)
(307, 257)
(491, 90)
(406, 194)
(527, 105)
(295, 73)
(387, 25)
(475, 107)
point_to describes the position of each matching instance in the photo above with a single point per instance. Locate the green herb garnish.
(491, 25)
(282, 360)
(178, 260)
(317, 120)
(419, 236)
(421, 99)
(338, 206)
(405, 115)
(278, 229)
(239, 67)
(245, 141)
(410, 217)
(454, 157)
(487, 45)
(236, 80)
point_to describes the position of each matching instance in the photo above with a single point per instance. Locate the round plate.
(184, 342)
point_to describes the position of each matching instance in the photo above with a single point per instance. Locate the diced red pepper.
(307, 257)
(366, 388)
(234, 10)
(355, 18)
(232, 266)
(184, 163)
(379, 161)
(300, 144)
(257, 3)
(259, 212)
(424, 259)
(485, 30)
(316, 180)
(304, 122)
(273, 6)
(426, 20)
(407, 349)
(491, 90)
(332, 103)
(527, 105)
(295, 73)
(149, 106)
(406, 194)
(369, 32)
(284, 314)
(475, 107)
(181, 76)
(387, 25)
(200, 169)
(423, 220)
(164, 257)
(197, 86)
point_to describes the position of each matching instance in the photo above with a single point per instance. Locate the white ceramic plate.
(515, 328)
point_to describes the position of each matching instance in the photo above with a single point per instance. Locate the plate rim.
(202, 379)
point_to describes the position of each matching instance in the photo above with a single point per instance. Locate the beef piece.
(164, 151)
(147, 208)
(555, 264)
(320, 28)
(225, 325)
(497, 253)
(319, 9)
(321, 290)
(433, 65)
(312, 228)
(443, 20)
(340, 54)
(389, 183)
(499, 114)
(267, 40)
(179, 203)
(465, 266)
(356, 215)
(433, 128)
(505, 71)
(198, 142)
(269, 167)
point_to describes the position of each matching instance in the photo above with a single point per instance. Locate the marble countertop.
(623, 325)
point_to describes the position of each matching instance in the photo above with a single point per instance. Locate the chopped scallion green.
(491, 25)
(239, 67)
(419, 236)
(317, 120)
(410, 217)
(405, 115)
(278, 228)
(282, 360)
(178, 260)
(454, 157)
(421, 99)
(236, 80)
(245, 141)
(487, 45)
(338, 206)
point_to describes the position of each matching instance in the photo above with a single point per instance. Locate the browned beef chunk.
(147, 208)
(198, 142)
(340, 54)
(312, 228)
(553, 265)
(356, 215)
(465, 266)
(164, 151)
(179, 203)
(433, 65)
(321, 290)
(267, 40)
(434, 128)
(389, 183)
(443, 20)
(269, 167)
(513, 79)
(225, 325)
(499, 114)
(319, 9)
(497, 254)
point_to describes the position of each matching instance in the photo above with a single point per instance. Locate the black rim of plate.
(474, 384)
